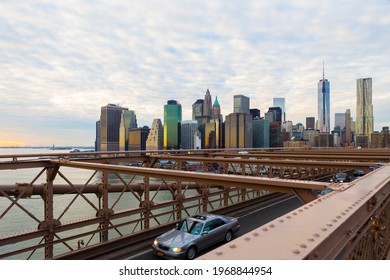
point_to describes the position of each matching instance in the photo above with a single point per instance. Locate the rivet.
(233, 246)
(306, 207)
(311, 205)
(303, 246)
(338, 217)
(311, 239)
(334, 220)
(288, 217)
(300, 210)
(247, 238)
(316, 235)
(255, 234)
(324, 229)
(296, 251)
(271, 225)
(329, 225)
(219, 253)
(265, 229)
(295, 213)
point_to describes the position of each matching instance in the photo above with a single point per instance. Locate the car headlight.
(176, 250)
(155, 243)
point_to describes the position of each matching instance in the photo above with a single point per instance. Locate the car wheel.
(228, 236)
(191, 253)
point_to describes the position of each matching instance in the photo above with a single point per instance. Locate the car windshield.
(341, 175)
(191, 226)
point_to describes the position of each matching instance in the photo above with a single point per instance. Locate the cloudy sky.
(60, 61)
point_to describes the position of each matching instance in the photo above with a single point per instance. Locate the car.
(195, 234)
(340, 178)
(359, 172)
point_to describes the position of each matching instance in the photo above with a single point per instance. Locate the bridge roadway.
(248, 221)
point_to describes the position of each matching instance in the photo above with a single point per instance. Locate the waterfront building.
(98, 136)
(155, 139)
(238, 130)
(281, 103)
(189, 133)
(324, 105)
(241, 104)
(260, 133)
(172, 120)
(364, 108)
(110, 118)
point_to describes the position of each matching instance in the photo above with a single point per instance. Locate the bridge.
(109, 204)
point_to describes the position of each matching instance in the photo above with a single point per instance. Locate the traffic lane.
(248, 222)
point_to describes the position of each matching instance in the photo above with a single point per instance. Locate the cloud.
(61, 61)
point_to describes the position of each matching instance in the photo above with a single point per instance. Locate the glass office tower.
(172, 121)
(281, 103)
(324, 105)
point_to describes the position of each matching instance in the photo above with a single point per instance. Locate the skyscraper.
(197, 109)
(110, 125)
(260, 133)
(238, 131)
(348, 127)
(281, 102)
(156, 136)
(364, 108)
(324, 105)
(339, 120)
(207, 104)
(241, 104)
(216, 112)
(172, 120)
(128, 121)
(189, 132)
(310, 123)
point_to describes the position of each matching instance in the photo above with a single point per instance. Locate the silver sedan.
(195, 234)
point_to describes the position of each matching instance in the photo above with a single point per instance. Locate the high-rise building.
(156, 136)
(277, 111)
(138, 138)
(364, 108)
(207, 106)
(189, 132)
(128, 121)
(216, 112)
(260, 133)
(197, 109)
(110, 118)
(241, 104)
(324, 105)
(281, 103)
(275, 135)
(255, 113)
(172, 120)
(348, 128)
(339, 120)
(97, 141)
(238, 131)
(310, 123)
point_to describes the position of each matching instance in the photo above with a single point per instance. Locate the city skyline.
(61, 62)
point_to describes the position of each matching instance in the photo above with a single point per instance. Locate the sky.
(61, 61)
